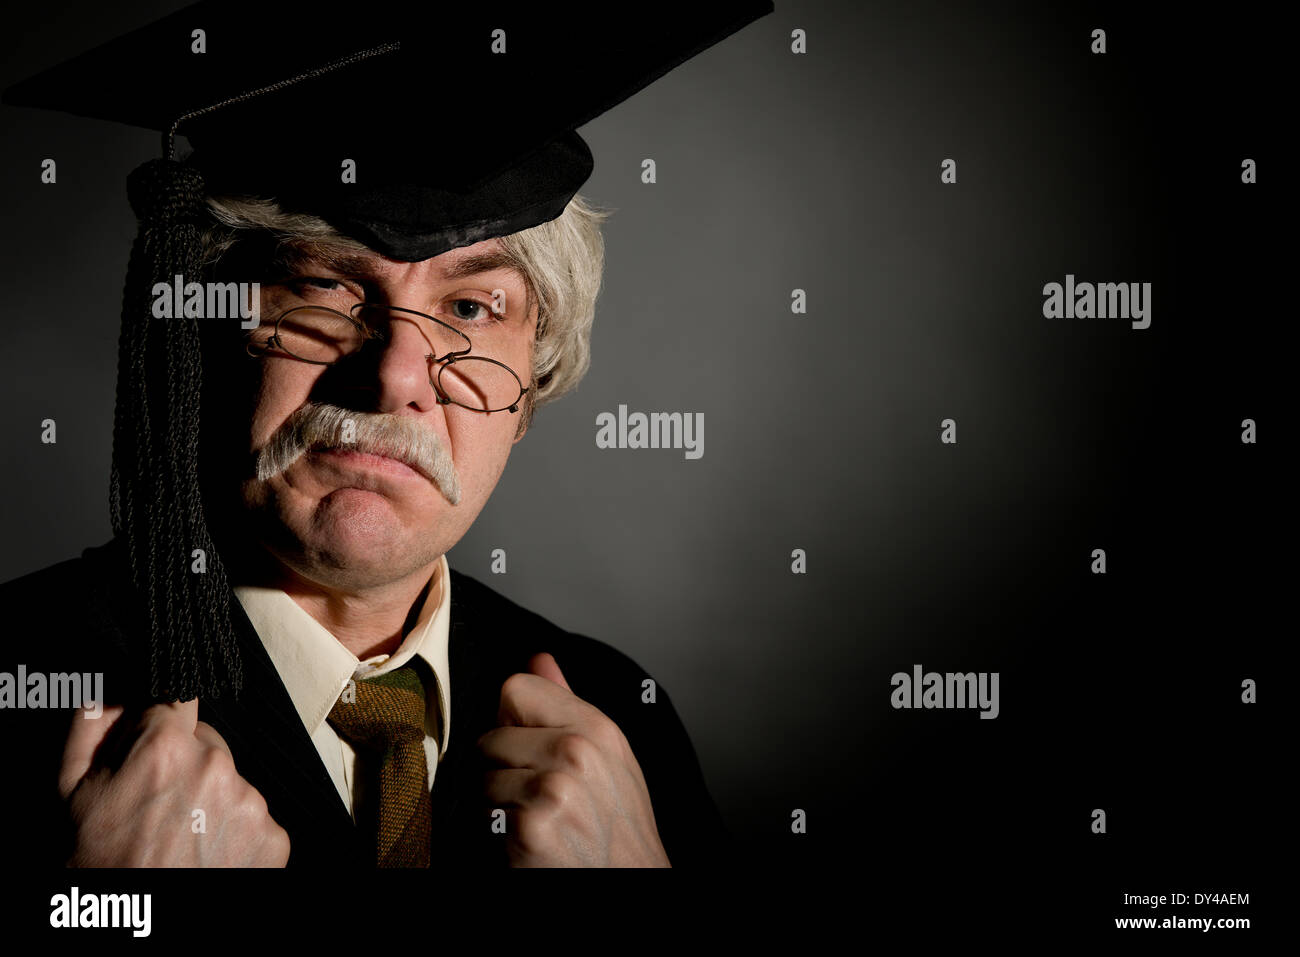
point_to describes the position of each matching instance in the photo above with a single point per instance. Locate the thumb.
(544, 666)
(89, 728)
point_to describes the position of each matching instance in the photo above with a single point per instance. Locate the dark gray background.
(821, 172)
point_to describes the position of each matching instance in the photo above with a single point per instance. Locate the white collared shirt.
(315, 668)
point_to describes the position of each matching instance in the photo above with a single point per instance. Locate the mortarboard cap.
(460, 118)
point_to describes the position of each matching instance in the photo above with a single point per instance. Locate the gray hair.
(562, 262)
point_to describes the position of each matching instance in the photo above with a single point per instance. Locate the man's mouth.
(373, 460)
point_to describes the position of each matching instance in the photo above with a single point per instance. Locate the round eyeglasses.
(323, 336)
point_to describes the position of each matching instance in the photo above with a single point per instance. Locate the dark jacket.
(71, 617)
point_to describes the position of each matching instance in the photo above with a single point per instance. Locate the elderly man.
(293, 673)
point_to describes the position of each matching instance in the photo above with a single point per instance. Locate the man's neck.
(368, 622)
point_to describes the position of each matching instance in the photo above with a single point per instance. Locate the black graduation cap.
(460, 124)
(459, 118)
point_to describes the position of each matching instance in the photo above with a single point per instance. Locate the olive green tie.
(385, 723)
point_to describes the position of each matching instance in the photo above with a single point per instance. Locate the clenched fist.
(140, 811)
(573, 792)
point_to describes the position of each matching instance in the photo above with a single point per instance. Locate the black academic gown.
(70, 617)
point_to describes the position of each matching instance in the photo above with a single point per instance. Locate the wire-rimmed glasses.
(322, 336)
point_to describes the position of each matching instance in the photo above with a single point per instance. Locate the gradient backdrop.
(821, 172)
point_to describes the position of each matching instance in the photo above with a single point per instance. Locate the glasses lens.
(314, 334)
(479, 384)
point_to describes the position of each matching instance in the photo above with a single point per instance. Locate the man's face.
(347, 520)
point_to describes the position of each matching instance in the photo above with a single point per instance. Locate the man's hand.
(140, 813)
(574, 795)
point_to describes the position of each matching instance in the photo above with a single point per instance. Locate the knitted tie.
(386, 725)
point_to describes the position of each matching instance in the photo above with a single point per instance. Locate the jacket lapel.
(462, 819)
(274, 753)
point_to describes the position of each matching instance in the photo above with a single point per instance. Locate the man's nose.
(401, 369)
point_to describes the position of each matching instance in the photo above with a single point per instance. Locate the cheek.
(481, 444)
(279, 391)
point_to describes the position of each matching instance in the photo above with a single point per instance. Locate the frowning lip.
(372, 461)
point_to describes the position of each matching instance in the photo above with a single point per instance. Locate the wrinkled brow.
(349, 263)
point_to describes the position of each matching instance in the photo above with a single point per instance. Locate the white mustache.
(318, 425)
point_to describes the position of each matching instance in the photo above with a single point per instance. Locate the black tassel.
(155, 500)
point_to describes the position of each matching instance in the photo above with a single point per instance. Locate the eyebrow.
(482, 262)
(353, 265)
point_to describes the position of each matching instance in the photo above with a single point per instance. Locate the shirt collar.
(315, 667)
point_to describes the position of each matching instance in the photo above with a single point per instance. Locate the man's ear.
(524, 424)
(526, 414)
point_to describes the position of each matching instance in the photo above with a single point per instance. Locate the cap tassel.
(155, 499)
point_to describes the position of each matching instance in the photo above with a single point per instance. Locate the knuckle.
(159, 767)
(607, 736)
(165, 738)
(574, 751)
(513, 686)
(209, 731)
(278, 844)
(257, 805)
(247, 804)
(533, 828)
(217, 763)
(554, 788)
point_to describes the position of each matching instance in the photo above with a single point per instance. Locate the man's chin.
(371, 517)
(358, 557)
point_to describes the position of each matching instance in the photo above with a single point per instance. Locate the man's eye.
(319, 282)
(470, 310)
(319, 288)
